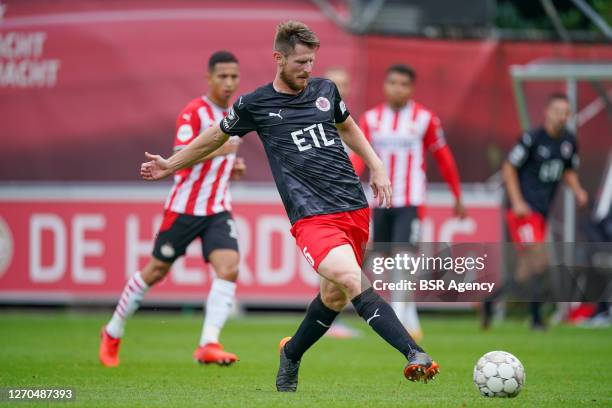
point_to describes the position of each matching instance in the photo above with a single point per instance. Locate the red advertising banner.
(105, 81)
(81, 243)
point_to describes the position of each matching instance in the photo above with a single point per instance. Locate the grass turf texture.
(565, 366)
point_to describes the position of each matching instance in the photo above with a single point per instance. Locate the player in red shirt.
(401, 132)
(198, 206)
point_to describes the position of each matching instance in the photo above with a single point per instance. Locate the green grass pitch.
(565, 366)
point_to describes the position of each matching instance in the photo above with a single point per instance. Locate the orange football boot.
(109, 349)
(421, 367)
(212, 353)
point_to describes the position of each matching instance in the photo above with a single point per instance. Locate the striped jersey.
(401, 139)
(201, 189)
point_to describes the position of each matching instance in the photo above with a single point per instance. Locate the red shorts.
(528, 229)
(319, 234)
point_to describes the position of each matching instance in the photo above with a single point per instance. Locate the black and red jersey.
(540, 160)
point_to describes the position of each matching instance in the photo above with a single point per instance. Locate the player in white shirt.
(198, 206)
(401, 132)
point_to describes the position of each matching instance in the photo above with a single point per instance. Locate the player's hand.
(381, 186)
(239, 168)
(155, 169)
(232, 145)
(459, 210)
(521, 209)
(582, 197)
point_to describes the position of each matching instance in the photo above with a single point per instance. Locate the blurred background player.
(542, 157)
(401, 132)
(328, 210)
(198, 206)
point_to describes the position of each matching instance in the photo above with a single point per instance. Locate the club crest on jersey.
(322, 103)
(544, 152)
(566, 150)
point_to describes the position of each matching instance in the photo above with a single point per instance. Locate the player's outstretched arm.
(229, 147)
(207, 142)
(354, 138)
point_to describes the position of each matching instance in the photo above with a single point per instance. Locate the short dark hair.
(290, 33)
(402, 69)
(220, 57)
(556, 96)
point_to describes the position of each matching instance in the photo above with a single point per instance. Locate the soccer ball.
(499, 374)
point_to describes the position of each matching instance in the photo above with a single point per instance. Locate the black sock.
(379, 314)
(536, 316)
(316, 322)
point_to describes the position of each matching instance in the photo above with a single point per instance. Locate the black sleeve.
(239, 120)
(341, 112)
(520, 152)
(574, 160)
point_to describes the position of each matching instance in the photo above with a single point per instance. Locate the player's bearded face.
(295, 68)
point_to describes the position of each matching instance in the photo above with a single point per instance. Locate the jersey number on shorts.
(233, 231)
(526, 233)
(308, 256)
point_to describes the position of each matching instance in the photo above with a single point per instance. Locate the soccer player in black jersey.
(300, 121)
(538, 162)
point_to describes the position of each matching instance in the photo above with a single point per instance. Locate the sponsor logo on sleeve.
(342, 107)
(517, 155)
(231, 119)
(566, 150)
(527, 139)
(184, 133)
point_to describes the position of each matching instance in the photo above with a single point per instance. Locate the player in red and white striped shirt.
(197, 206)
(401, 132)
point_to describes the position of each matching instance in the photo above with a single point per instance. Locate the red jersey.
(203, 188)
(401, 139)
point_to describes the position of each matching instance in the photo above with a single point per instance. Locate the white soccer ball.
(499, 374)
